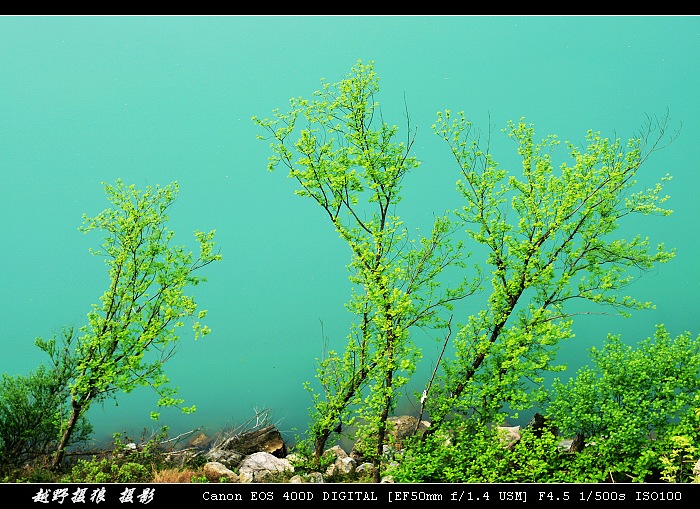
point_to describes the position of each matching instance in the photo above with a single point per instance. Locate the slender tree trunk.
(388, 387)
(320, 444)
(381, 438)
(356, 381)
(76, 409)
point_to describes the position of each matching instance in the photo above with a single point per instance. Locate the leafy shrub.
(106, 471)
(31, 409)
(465, 455)
(631, 409)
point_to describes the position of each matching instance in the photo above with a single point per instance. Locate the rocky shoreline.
(260, 454)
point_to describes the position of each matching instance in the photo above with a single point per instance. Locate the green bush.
(31, 416)
(108, 471)
(631, 408)
(635, 415)
(462, 456)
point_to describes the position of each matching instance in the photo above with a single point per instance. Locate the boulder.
(259, 466)
(215, 472)
(229, 459)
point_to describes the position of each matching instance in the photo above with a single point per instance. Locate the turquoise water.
(156, 99)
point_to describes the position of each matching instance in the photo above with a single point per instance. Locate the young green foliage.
(678, 451)
(348, 161)
(133, 331)
(549, 235)
(634, 416)
(626, 410)
(480, 455)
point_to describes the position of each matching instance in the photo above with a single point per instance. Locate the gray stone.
(261, 465)
(215, 471)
